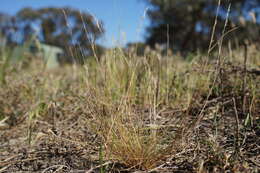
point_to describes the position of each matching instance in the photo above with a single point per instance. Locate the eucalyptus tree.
(68, 28)
(187, 24)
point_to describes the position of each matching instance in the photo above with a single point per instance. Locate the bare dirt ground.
(67, 145)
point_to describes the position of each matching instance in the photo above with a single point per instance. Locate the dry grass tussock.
(126, 113)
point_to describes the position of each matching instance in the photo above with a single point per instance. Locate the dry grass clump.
(130, 137)
(150, 113)
(142, 138)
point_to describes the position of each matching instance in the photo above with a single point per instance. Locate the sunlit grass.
(124, 97)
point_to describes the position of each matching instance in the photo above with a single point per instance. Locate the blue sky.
(123, 19)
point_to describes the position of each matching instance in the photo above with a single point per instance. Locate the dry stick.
(4, 168)
(9, 163)
(167, 68)
(244, 81)
(99, 166)
(223, 33)
(213, 32)
(220, 71)
(92, 42)
(200, 116)
(237, 125)
(71, 32)
(214, 28)
(226, 33)
(59, 167)
(157, 85)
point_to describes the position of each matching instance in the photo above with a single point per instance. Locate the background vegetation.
(189, 104)
(185, 25)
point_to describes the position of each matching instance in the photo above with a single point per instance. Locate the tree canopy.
(68, 28)
(187, 24)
